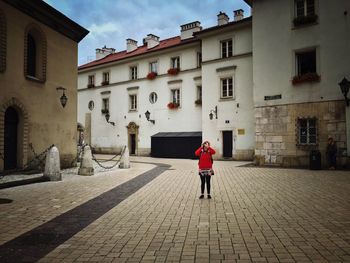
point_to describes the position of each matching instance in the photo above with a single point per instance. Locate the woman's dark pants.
(205, 179)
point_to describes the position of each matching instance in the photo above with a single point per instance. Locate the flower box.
(104, 111)
(91, 85)
(304, 20)
(198, 102)
(308, 77)
(151, 75)
(173, 71)
(103, 83)
(173, 105)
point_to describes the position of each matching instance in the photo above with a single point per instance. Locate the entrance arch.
(8, 112)
(11, 139)
(133, 135)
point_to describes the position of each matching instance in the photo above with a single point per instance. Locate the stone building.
(194, 86)
(300, 53)
(38, 64)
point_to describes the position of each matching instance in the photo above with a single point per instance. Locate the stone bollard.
(86, 164)
(52, 165)
(125, 160)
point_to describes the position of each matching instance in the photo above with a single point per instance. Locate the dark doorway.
(227, 144)
(11, 124)
(133, 143)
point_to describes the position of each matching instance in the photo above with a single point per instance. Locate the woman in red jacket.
(205, 165)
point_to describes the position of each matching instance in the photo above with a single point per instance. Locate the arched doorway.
(11, 135)
(133, 131)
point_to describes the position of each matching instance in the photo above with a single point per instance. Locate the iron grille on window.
(307, 131)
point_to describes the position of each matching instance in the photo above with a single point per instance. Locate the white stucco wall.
(274, 43)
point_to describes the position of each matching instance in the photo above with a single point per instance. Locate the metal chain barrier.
(80, 154)
(37, 158)
(112, 166)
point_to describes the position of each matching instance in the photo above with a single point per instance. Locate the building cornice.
(49, 16)
(248, 54)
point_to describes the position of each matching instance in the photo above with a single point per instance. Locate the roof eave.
(249, 2)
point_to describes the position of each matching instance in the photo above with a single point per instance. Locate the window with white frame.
(175, 62)
(307, 131)
(153, 66)
(91, 81)
(306, 62)
(175, 96)
(133, 102)
(133, 72)
(153, 97)
(226, 48)
(105, 105)
(105, 78)
(226, 88)
(199, 59)
(304, 8)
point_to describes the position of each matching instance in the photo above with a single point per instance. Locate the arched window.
(35, 54)
(2, 42)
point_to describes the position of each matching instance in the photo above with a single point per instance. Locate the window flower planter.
(308, 77)
(198, 102)
(91, 85)
(103, 83)
(173, 105)
(304, 20)
(152, 75)
(173, 71)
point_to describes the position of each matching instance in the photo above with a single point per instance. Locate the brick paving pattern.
(256, 215)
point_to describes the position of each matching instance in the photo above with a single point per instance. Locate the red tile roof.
(163, 44)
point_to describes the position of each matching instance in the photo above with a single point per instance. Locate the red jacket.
(205, 157)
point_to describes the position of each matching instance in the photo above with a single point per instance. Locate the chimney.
(151, 41)
(105, 51)
(238, 14)
(222, 19)
(131, 45)
(187, 30)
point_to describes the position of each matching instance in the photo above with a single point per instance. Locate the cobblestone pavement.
(255, 215)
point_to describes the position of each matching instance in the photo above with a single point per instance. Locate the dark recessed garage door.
(175, 144)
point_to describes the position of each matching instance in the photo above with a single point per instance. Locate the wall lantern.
(212, 112)
(344, 86)
(63, 98)
(148, 115)
(107, 116)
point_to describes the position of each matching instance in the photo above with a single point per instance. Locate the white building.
(301, 51)
(179, 97)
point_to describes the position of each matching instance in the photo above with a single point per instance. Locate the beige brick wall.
(276, 138)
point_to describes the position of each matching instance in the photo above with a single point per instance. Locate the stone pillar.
(87, 135)
(52, 165)
(86, 165)
(125, 159)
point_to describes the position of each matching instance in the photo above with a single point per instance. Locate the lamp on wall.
(148, 115)
(212, 112)
(63, 98)
(344, 87)
(107, 116)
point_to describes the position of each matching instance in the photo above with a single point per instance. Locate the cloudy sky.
(111, 22)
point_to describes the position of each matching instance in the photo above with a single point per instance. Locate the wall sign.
(241, 131)
(274, 97)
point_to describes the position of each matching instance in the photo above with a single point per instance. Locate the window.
(307, 132)
(199, 59)
(153, 97)
(91, 81)
(105, 78)
(198, 101)
(226, 88)
(133, 102)
(105, 105)
(3, 36)
(175, 62)
(133, 72)
(304, 12)
(226, 48)
(35, 49)
(91, 105)
(306, 62)
(153, 67)
(175, 96)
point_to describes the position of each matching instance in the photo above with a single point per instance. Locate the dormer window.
(304, 12)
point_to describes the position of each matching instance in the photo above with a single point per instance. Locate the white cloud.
(97, 30)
